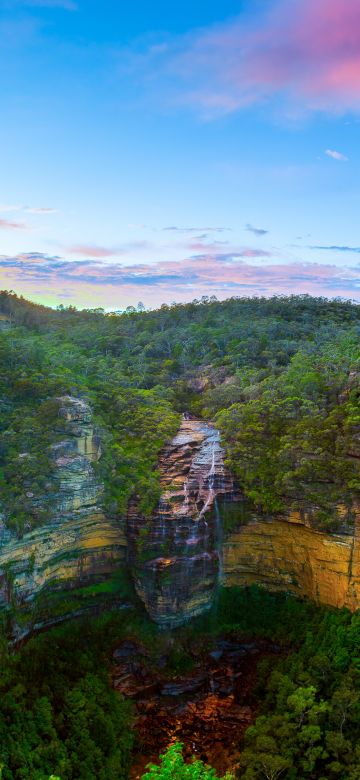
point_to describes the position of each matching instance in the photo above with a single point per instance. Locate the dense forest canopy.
(58, 715)
(277, 374)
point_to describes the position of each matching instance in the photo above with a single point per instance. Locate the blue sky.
(160, 152)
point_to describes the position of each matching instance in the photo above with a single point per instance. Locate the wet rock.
(186, 685)
(129, 649)
(176, 555)
(207, 710)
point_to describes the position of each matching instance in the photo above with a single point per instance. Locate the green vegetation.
(173, 767)
(289, 443)
(279, 375)
(58, 714)
(309, 697)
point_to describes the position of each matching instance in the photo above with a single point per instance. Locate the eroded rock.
(176, 554)
(78, 544)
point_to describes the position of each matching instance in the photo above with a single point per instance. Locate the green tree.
(173, 767)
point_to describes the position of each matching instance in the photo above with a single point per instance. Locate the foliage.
(173, 767)
(280, 376)
(274, 371)
(57, 712)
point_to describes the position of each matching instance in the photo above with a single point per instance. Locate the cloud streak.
(256, 231)
(304, 53)
(40, 210)
(91, 250)
(223, 274)
(189, 230)
(335, 248)
(8, 208)
(6, 224)
(339, 156)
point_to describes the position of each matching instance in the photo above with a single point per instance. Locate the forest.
(58, 715)
(280, 378)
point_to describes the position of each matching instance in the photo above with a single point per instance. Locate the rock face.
(287, 555)
(78, 544)
(178, 556)
(207, 709)
(175, 555)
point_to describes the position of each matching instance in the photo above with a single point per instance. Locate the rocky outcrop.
(287, 555)
(180, 554)
(207, 708)
(78, 544)
(175, 555)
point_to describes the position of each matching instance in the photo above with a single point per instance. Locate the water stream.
(179, 571)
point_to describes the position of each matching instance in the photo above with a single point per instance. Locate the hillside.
(156, 468)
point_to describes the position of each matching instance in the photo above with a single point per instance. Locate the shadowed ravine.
(176, 555)
(207, 709)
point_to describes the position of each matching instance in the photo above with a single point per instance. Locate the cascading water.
(179, 569)
(219, 538)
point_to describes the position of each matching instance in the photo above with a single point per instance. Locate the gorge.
(179, 556)
(179, 539)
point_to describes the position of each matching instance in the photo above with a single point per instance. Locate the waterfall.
(181, 576)
(218, 538)
(211, 484)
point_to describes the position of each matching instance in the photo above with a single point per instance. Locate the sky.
(160, 152)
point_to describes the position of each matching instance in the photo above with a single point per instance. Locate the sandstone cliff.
(179, 555)
(290, 556)
(78, 544)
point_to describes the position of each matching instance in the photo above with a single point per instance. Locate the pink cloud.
(91, 250)
(305, 52)
(5, 224)
(112, 283)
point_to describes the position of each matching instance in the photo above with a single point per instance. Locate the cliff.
(78, 544)
(287, 555)
(175, 555)
(179, 555)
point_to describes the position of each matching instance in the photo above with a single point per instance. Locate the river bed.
(207, 709)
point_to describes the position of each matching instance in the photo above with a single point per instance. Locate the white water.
(190, 536)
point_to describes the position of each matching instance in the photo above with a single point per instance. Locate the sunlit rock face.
(288, 555)
(175, 555)
(78, 544)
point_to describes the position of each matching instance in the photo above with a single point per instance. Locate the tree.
(173, 767)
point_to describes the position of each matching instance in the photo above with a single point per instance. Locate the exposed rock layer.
(289, 556)
(78, 544)
(176, 554)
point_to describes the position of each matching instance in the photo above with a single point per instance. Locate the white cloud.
(7, 207)
(336, 155)
(40, 210)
